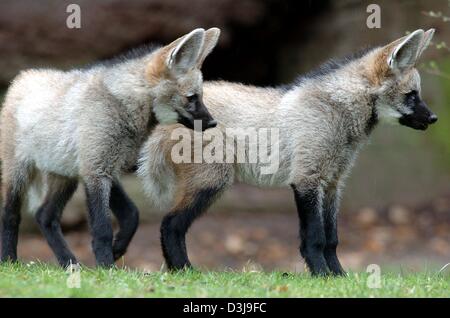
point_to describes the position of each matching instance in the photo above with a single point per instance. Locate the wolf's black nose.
(211, 124)
(432, 119)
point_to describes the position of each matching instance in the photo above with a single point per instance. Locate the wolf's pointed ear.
(211, 38)
(404, 52)
(186, 52)
(426, 41)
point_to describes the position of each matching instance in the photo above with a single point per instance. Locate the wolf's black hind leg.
(10, 224)
(49, 214)
(330, 211)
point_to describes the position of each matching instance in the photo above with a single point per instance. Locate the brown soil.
(398, 237)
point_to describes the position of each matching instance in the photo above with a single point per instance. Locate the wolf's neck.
(126, 82)
(342, 98)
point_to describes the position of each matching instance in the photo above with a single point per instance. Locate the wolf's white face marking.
(165, 115)
(391, 104)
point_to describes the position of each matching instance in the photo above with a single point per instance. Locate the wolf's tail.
(156, 171)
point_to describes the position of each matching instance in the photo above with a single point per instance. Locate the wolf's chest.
(340, 163)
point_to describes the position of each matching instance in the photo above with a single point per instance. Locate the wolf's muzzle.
(206, 123)
(421, 116)
(432, 119)
(211, 124)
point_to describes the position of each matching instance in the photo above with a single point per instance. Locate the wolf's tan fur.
(62, 122)
(89, 123)
(323, 123)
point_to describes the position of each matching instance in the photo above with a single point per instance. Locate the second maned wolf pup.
(88, 124)
(324, 118)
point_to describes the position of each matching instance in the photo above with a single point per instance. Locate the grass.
(41, 280)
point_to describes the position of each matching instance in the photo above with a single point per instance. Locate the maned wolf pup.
(323, 120)
(88, 124)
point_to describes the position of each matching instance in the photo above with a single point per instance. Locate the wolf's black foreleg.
(312, 232)
(176, 224)
(127, 215)
(330, 211)
(97, 194)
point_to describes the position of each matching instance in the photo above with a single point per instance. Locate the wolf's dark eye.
(412, 95)
(192, 102)
(192, 98)
(411, 99)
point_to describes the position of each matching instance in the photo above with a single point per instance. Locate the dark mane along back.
(131, 54)
(328, 67)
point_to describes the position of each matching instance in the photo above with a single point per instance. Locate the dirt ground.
(397, 238)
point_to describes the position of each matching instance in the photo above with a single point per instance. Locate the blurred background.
(396, 207)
